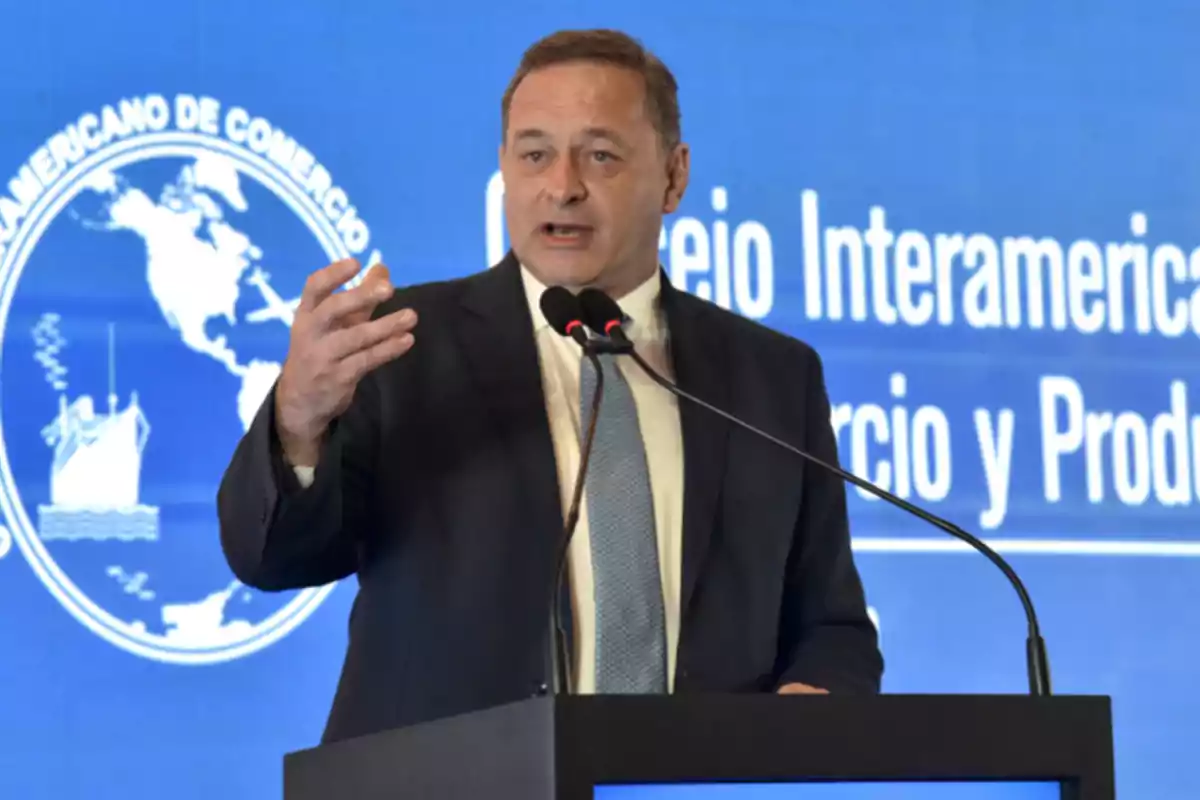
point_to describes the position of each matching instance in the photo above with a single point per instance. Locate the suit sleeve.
(827, 639)
(277, 534)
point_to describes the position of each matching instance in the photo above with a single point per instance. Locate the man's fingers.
(353, 305)
(351, 340)
(359, 363)
(378, 273)
(801, 688)
(324, 282)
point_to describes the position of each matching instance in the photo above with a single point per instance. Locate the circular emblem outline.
(114, 155)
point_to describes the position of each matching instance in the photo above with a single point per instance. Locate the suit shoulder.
(751, 337)
(426, 295)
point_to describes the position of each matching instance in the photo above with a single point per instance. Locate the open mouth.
(565, 233)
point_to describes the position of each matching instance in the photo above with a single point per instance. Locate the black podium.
(563, 748)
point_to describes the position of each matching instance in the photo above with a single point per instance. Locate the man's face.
(586, 180)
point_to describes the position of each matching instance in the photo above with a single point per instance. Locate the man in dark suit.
(439, 472)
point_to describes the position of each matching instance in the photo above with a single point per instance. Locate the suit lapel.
(496, 333)
(700, 359)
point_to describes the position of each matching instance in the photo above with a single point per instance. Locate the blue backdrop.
(984, 216)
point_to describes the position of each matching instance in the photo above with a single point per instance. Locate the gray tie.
(630, 629)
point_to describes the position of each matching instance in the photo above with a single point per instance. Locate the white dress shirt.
(658, 418)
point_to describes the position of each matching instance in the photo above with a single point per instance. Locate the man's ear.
(678, 171)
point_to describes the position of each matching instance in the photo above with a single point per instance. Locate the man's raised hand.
(334, 343)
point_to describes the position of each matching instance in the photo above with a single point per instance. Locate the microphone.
(563, 312)
(565, 315)
(604, 316)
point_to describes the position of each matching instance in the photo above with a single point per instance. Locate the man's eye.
(534, 156)
(603, 156)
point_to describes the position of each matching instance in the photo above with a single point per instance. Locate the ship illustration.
(95, 474)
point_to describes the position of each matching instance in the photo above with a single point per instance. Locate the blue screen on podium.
(907, 790)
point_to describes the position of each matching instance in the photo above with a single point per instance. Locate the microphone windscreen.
(599, 310)
(561, 308)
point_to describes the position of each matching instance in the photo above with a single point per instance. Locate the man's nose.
(564, 183)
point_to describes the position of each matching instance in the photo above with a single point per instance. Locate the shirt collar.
(640, 305)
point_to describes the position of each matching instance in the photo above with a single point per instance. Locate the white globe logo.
(96, 459)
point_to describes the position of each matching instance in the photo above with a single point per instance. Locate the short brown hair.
(606, 47)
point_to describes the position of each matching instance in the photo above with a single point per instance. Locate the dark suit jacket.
(438, 487)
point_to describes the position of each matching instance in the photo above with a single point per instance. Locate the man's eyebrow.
(592, 133)
(606, 133)
(529, 133)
